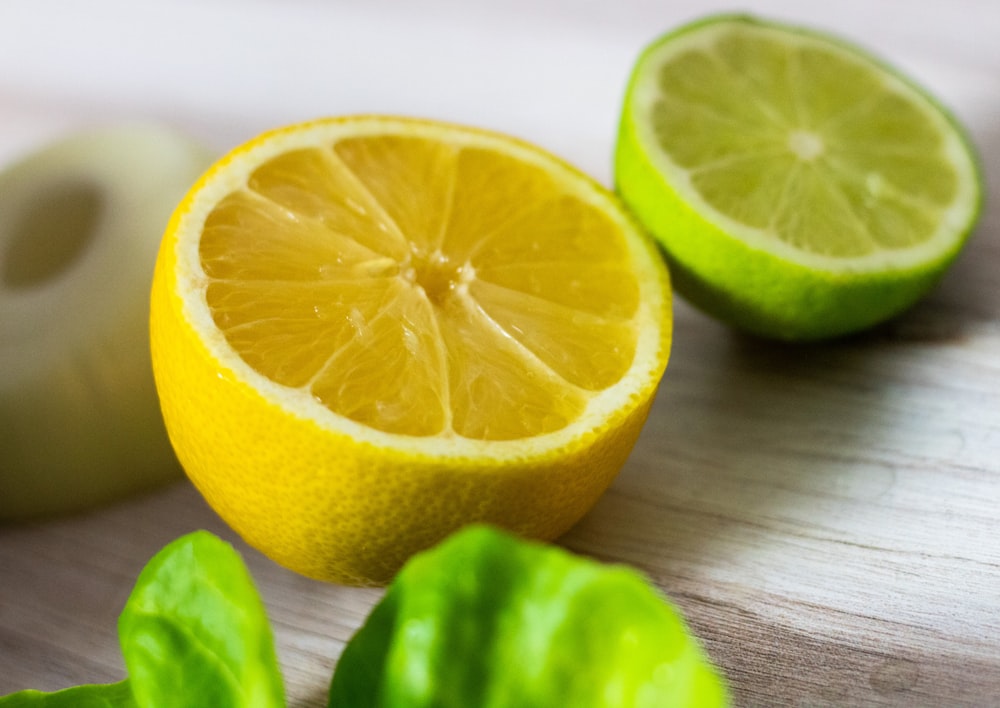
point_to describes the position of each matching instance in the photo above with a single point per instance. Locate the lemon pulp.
(485, 313)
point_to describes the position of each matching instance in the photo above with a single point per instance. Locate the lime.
(800, 188)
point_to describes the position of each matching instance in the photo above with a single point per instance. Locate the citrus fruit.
(369, 331)
(81, 220)
(800, 188)
(532, 625)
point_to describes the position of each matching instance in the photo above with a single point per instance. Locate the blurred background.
(552, 70)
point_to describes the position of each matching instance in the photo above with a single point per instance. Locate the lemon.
(800, 188)
(370, 331)
(81, 219)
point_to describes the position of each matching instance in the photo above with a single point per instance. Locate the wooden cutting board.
(826, 516)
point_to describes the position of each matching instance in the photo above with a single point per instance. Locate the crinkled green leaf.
(491, 621)
(194, 632)
(101, 695)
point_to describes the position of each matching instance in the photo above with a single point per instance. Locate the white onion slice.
(80, 225)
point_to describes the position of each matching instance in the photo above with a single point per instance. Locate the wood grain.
(826, 516)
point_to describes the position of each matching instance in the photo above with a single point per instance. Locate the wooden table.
(826, 516)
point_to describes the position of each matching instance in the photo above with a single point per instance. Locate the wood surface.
(826, 516)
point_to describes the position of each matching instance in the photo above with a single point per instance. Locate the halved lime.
(800, 187)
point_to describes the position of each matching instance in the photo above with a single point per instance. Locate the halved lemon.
(370, 331)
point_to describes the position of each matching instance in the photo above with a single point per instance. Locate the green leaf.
(195, 633)
(103, 695)
(489, 620)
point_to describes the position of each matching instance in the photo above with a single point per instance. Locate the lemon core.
(439, 276)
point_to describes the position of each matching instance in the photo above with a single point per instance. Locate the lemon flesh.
(465, 310)
(801, 188)
(368, 332)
